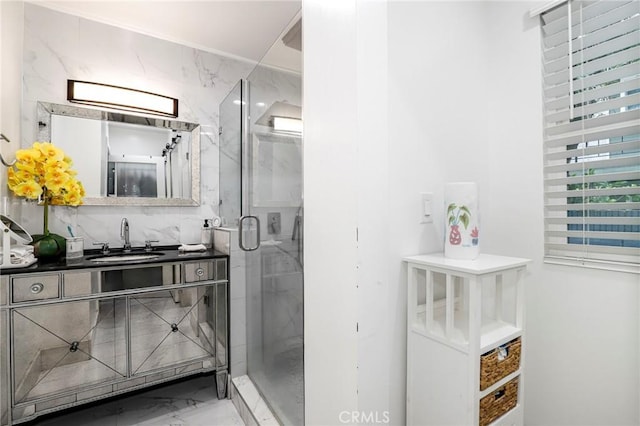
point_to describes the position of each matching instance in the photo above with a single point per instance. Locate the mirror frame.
(45, 110)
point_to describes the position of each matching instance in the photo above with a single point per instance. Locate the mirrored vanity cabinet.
(465, 338)
(73, 334)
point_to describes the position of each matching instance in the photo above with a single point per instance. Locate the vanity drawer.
(206, 270)
(38, 287)
(198, 271)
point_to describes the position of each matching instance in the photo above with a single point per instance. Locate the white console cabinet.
(465, 340)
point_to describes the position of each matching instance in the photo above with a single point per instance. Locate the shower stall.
(261, 196)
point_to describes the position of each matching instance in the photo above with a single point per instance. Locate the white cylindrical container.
(75, 247)
(461, 220)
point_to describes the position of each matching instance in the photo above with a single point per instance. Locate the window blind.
(591, 86)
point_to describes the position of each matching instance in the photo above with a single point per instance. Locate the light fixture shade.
(122, 98)
(287, 124)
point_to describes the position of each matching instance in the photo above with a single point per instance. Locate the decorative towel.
(192, 247)
(21, 251)
(22, 255)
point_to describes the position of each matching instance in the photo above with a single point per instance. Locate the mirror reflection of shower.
(122, 155)
(148, 164)
(167, 153)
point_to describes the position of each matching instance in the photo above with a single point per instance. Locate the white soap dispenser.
(207, 234)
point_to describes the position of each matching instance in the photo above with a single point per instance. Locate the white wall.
(463, 102)
(573, 314)
(483, 67)
(437, 76)
(378, 371)
(329, 105)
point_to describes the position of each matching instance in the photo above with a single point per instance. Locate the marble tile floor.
(189, 402)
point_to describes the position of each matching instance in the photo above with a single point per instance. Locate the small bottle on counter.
(207, 234)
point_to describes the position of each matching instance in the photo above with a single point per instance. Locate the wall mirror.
(125, 159)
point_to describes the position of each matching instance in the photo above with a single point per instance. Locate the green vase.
(48, 246)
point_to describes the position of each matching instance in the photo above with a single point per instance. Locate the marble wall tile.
(58, 46)
(221, 241)
(225, 240)
(238, 366)
(238, 318)
(238, 314)
(238, 277)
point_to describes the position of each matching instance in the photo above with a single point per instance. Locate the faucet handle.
(104, 248)
(147, 244)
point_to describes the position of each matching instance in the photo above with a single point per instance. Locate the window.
(591, 84)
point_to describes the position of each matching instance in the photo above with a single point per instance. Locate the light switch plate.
(426, 207)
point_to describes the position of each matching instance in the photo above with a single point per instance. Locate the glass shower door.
(272, 191)
(261, 195)
(231, 127)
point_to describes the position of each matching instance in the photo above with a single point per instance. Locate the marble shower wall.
(58, 46)
(267, 86)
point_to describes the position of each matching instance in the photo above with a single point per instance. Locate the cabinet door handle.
(200, 272)
(37, 288)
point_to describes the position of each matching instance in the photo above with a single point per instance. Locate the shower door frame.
(253, 256)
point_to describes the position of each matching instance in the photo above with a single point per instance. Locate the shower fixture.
(169, 147)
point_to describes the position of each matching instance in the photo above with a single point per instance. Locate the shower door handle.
(242, 233)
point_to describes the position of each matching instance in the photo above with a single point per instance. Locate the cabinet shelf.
(457, 311)
(496, 333)
(499, 383)
(492, 332)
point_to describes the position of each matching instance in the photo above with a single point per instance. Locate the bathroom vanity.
(78, 332)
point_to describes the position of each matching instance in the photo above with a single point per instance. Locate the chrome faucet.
(124, 235)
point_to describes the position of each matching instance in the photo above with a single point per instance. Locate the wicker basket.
(497, 403)
(499, 363)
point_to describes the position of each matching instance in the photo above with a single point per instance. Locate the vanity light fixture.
(122, 98)
(287, 124)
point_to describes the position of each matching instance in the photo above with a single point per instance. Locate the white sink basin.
(124, 257)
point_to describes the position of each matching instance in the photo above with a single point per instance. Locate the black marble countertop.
(166, 254)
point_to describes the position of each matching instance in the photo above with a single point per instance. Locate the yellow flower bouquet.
(44, 173)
